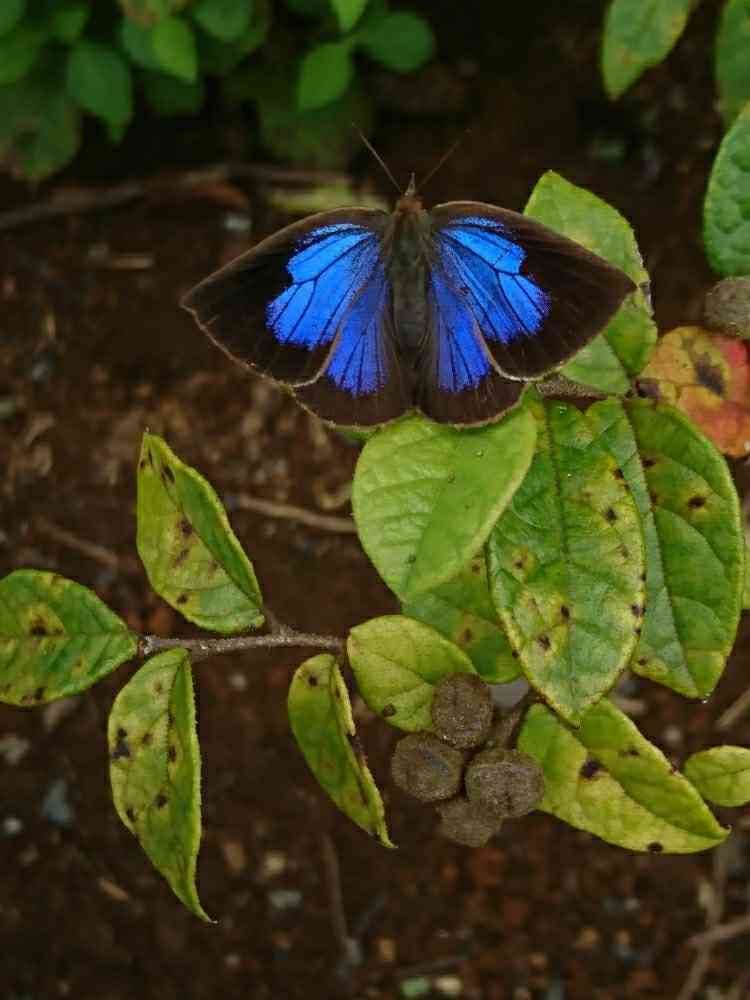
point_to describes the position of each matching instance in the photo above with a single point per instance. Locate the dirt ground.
(93, 349)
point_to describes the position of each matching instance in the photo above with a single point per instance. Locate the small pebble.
(448, 986)
(234, 856)
(13, 749)
(273, 864)
(11, 826)
(55, 805)
(411, 989)
(285, 899)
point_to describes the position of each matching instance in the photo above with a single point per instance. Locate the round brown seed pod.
(427, 768)
(462, 710)
(727, 307)
(464, 823)
(504, 783)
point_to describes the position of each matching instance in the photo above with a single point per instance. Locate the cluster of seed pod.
(464, 766)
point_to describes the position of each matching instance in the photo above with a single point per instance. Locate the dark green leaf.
(98, 80)
(19, 51)
(402, 41)
(726, 222)
(462, 611)
(721, 774)
(169, 96)
(11, 12)
(148, 12)
(220, 58)
(56, 638)
(348, 12)
(638, 34)
(611, 359)
(324, 75)
(68, 20)
(694, 545)
(732, 63)
(566, 564)
(606, 778)
(173, 43)
(192, 556)
(137, 43)
(54, 142)
(425, 496)
(320, 715)
(397, 662)
(226, 20)
(155, 769)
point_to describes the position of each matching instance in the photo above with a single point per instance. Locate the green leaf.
(462, 610)
(425, 496)
(348, 12)
(220, 58)
(610, 361)
(746, 590)
(566, 563)
(137, 43)
(173, 43)
(11, 12)
(324, 75)
(732, 63)
(19, 51)
(54, 142)
(690, 514)
(320, 715)
(169, 96)
(606, 778)
(639, 34)
(397, 662)
(726, 220)
(68, 20)
(56, 638)
(721, 774)
(192, 556)
(98, 80)
(401, 41)
(226, 20)
(155, 769)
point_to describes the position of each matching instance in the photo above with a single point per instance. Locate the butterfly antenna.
(378, 157)
(451, 150)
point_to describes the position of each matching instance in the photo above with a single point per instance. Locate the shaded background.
(93, 349)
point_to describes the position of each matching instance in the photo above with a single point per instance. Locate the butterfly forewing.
(280, 306)
(536, 297)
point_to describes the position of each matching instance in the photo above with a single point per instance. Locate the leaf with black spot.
(192, 556)
(605, 777)
(56, 638)
(565, 563)
(320, 715)
(155, 769)
(690, 513)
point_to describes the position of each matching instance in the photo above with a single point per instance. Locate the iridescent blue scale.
(368, 315)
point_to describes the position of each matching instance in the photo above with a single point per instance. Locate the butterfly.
(367, 315)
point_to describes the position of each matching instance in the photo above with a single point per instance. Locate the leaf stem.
(201, 648)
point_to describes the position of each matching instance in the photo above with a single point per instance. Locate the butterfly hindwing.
(280, 306)
(535, 297)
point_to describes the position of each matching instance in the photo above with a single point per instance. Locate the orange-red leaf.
(708, 377)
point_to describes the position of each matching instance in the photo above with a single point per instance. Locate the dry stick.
(201, 648)
(722, 932)
(715, 911)
(324, 522)
(734, 713)
(90, 549)
(347, 945)
(96, 199)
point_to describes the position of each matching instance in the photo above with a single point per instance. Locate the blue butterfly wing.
(310, 306)
(535, 297)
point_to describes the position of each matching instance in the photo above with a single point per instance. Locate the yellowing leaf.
(707, 377)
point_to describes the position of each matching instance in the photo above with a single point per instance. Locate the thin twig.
(722, 932)
(349, 952)
(96, 552)
(201, 648)
(74, 202)
(734, 713)
(324, 522)
(714, 913)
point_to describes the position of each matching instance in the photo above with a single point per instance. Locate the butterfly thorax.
(407, 267)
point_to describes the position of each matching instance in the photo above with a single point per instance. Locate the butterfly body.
(366, 315)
